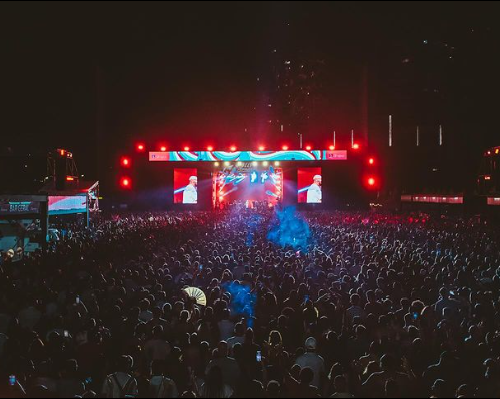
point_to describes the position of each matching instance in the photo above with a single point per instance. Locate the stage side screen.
(186, 186)
(310, 186)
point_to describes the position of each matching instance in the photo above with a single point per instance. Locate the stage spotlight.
(265, 163)
(233, 149)
(240, 164)
(163, 148)
(216, 164)
(255, 164)
(210, 149)
(227, 163)
(332, 148)
(262, 148)
(371, 161)
(221, 198)
(140, 147)
(371, 181)
(497, 151)
(308, 148)
(277, 163)
(186, 149)
(355, 146)
(125, 182)
(285, 148)
(125, 162)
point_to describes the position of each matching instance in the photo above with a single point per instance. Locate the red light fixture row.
(141, 147)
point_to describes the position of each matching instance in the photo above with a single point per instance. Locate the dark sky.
(96, 76)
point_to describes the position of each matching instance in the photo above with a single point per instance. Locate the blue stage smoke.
(289, 229)
(243, 301)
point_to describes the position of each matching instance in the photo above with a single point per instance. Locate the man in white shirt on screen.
(190, 195)
(314, 193)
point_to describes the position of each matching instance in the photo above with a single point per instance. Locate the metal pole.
(390, 130)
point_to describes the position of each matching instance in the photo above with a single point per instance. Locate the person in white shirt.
(314, 193)
(157, 348)
(313, 361)
(159, 385)
(226, 326)
(121, 384)
(190, 195)
(239, 337)
(228, 366)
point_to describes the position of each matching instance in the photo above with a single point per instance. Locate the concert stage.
(204, 180)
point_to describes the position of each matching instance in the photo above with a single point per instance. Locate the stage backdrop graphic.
(309, 185)
(186, 186)
(249, 183)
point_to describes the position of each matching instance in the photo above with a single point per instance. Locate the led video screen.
(310, 186)
(186, 186)
(249, 184)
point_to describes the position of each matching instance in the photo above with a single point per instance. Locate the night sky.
(96, 77)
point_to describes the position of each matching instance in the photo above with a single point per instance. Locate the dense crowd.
(364, 305)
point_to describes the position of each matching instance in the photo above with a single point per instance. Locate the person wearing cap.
(312, 360)
(314, 193)
(190, 195)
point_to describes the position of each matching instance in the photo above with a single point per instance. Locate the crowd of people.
(372, 305)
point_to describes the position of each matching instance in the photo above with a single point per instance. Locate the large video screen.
(310, 186)
(61, 205)
(186, 186)
(249, 185)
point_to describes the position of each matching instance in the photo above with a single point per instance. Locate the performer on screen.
(314, 192)
(190, 195)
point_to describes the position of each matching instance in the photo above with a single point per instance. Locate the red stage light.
(371, 181)
(308, 148)
(487, 177)
(332, 148)
(70, 178)
(285, 148)
(233, 149)
(262, 148)
(186, 149)
(371, 161)
(125, 162)
(210, 149)
(355, 146)
(140, 147)
(163, 148)
(125, 182)
(63, 153)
